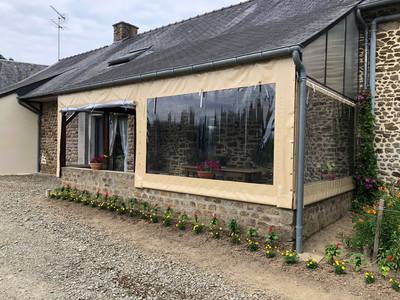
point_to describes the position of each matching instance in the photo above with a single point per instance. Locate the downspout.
(38, 112)
(372, 76)
(366, 36)
(300, 151)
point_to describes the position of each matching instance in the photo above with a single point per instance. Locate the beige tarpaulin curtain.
(280, 72)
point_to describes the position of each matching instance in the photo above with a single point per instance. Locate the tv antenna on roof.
(61, 19)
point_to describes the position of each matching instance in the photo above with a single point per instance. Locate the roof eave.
(179, 71)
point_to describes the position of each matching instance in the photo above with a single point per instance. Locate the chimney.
(123, 30)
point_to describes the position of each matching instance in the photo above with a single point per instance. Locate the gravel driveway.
(47, 252)
(61, 250)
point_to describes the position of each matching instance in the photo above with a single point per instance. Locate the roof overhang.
(115, 106)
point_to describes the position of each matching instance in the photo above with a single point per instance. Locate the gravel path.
(61, 250)
(47, 252)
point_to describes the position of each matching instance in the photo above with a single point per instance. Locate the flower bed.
(270, 245)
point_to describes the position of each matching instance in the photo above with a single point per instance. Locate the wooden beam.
(71, 118)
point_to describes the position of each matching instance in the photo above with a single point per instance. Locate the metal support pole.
(300, 151)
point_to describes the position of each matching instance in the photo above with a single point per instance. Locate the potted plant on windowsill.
(328, 171)
(207, 169)
(97, 162)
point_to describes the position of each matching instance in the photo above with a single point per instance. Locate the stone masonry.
(329, 136)
(387, 102)
(48, 139)
(317, 216)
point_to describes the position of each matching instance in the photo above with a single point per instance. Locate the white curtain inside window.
(123, 131)
(113, 132)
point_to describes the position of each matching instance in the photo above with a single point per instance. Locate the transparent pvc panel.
(335, 57)
(329, 143)
(223, 135)
(314, 56)
(351, 66)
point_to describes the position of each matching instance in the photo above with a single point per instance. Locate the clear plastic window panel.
(314, 57)
(221, 135)
(329, 143)
(335, 57)
(351, 67)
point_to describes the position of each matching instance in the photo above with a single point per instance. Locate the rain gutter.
(378, 3)
(302, 78)
(374, 29)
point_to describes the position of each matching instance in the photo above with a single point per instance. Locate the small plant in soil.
(332, 252)
(357, 260)
(93, 202)
(132, 207)
(270, 251)
(271, 238)
(339, 267)
(112, 203)
(182, 222)
(144, 210)
(121, 207)
(215, 228)
(234, 230)
(395, 284)
(290, 257)
(369, 278)
(168, 217)
(252, 235)
(312, 264)
(153, 215)
(197, 226)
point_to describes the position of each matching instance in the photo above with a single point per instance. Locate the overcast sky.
(27, 34)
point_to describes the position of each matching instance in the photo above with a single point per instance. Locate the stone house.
(262, 91)
(18, 125)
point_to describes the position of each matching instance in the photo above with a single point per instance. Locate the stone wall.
(72, 142)
(317, 216)
(387, 105)
(321, 214)
(131, 143)
(48, 139)
(387, 108)
(329, 136)
(116, 183)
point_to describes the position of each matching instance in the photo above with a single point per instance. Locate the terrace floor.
(61, 250)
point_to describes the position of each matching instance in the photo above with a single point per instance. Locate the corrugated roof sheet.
(12, 71)
(249, 27)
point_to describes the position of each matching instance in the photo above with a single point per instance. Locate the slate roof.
(12, 72)
(245, 28)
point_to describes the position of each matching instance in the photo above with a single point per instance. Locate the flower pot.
(328, 176)
(96, 166)
(205, 174)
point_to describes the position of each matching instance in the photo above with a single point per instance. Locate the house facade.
(270, 108)
(18, 125)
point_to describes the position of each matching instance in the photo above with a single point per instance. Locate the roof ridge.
(195, 17)
(82, 53)
(21, 62)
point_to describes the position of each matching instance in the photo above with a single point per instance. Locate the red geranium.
(209, 166)
(97, 159)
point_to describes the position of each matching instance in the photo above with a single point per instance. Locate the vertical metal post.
(300, 151)
(63, 142)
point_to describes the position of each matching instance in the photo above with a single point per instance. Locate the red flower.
(106, 194)
(389, 257)
(271, 229)
(338, 245)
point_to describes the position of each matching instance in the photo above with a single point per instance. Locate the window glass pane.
(335, 57)
(226, 134)
(329, 143)
(314, 59)
(351, 67)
